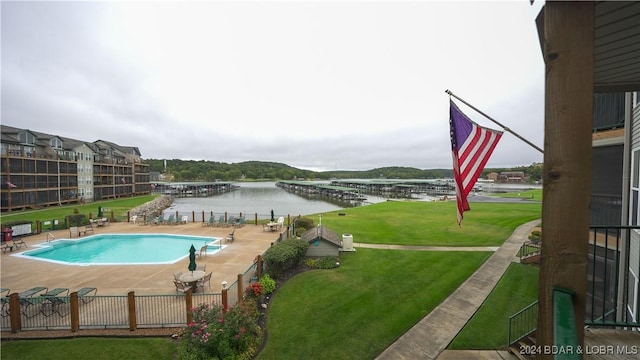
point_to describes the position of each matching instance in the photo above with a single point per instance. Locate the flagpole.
(495, 121)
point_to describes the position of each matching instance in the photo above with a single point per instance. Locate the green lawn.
(119, 207)
(487, 329)
(90, 348)
(431, 223)
(356, 310)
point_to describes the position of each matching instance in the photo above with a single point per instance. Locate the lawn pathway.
(431, 335)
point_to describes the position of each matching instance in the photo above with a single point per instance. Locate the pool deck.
(20, 274)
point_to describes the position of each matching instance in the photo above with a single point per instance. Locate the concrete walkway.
(431, 335)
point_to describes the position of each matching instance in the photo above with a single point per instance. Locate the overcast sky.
(319, 85)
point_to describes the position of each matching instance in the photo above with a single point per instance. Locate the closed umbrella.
(99, 211)
(272, 216)
(192, 258)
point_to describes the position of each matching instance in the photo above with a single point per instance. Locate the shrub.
(219, 333)
(303, 224)
(326, 262)
(268, 284)
(77, 220)
(284, 256)
(535, 236)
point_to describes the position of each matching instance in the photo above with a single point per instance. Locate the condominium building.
(39, 169)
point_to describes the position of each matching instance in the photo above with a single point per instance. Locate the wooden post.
(131, 302)
(193, 216)
(189, 304)
(240, 289)
(128, 216)
(225, 298)
(568, 54)
(14, 313)
(74, 310)
(259, 266)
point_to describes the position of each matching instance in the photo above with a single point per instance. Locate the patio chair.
(280, 222)
(201, 267)
(205, 279)
(231, 236)
(176, 275)
(88, 228)
(74, 231)
(181, 287)
(184, 219)
(87, 294)
(203, 251)
(133, 219)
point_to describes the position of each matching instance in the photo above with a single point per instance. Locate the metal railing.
(116, 311)
(523, 323)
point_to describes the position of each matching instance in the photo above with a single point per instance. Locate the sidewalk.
(429, 338)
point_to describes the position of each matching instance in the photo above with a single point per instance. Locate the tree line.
(192, 170)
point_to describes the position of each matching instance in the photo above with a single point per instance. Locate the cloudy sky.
(320, 85)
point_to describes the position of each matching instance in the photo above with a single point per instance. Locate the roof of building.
(323, 233)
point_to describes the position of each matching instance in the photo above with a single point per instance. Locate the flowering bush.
(219, 333)
(254, 290)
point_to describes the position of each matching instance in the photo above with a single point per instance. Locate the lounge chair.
(18, 243)
(171, 220)
(211, 222)
(230, 237)
(88, 228)
(29, 303)
(53, 301)
(181, 287)
(4, 298)
(230, 221)
(87, 294)
(203, 251)
(205, 279)
(6, 246)
(220, 221)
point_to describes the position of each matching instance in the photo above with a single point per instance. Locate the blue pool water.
(122, 249)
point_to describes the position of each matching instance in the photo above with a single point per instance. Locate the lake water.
(262, 197)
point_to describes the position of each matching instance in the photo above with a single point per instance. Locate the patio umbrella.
(192, 258)
(272, 217)
(99, 211)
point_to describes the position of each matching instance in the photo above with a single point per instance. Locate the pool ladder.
(50, 237)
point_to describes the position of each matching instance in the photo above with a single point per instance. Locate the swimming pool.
(122, 249)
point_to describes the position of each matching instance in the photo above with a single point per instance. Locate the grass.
(431, 223)
(90, 348)
(119, 207)
(532, 194)
(488, 328)
(359, 308)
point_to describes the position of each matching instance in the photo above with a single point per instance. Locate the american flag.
(471, 146)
